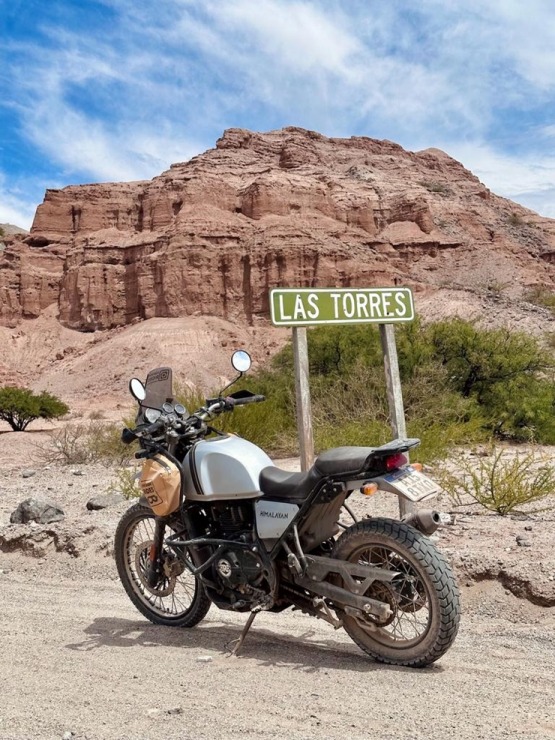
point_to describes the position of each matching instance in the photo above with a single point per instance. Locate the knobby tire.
(433, 576)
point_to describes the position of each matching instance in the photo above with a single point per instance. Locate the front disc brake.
(166, 579)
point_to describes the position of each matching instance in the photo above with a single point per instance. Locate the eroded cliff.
(211, 236)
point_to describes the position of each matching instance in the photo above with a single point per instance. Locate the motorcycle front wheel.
(423, 597)
(177, 599)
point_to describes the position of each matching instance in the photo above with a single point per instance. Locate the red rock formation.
(211, 236)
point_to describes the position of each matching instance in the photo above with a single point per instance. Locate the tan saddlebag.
(160, 482)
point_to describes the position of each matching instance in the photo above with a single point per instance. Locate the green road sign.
(305, 306)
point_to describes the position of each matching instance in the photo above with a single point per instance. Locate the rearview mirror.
(137, 389)
(241, 360)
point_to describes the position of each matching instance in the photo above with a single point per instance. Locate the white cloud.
(109, 144)
(164, 79)
(304, 38)
(15, 209)
(529, 180)
(521, 33)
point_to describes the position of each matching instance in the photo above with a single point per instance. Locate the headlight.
(152, 415)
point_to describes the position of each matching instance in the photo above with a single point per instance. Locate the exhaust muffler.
(425, 520)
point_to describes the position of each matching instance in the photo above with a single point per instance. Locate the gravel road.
(78, 661)
(77, 658)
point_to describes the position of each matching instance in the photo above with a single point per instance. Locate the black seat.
(282, 485)
(341, 462)
(344, 460)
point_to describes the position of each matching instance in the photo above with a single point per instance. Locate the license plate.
(412, 484)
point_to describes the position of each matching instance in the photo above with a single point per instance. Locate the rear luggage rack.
(396, 445)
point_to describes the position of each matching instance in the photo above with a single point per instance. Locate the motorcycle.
(219, 524)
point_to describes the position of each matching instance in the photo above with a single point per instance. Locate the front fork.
(154, 556)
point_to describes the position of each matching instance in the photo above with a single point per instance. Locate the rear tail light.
(395, 461)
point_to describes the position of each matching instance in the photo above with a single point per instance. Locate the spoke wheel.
(177, 598)
(423, 597)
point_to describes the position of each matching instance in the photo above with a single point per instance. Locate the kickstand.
(246, 628)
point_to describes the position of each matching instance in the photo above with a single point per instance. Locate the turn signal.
(369, 489)
(417, 466)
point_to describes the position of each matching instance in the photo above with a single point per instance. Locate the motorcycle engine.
(233, 520)
(238, 567)
(240, 570)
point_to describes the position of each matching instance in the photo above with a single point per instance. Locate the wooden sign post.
(302, 397)
(302, 307)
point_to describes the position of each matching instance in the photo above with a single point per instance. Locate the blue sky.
(109, 90)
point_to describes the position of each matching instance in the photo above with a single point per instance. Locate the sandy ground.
(78, 658)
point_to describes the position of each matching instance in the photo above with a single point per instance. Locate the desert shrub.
(541, 297)
(126, 482)
(67, 445)
(349, 398)
(87, 442)
(436, 187)
(20, 406)
(192, 398)
(496, 287)
(500, 482)
(515, 220)
(97, 414)
(461, 384)
(105, 444)
(272, 424)
(353, 386)
(507, 375)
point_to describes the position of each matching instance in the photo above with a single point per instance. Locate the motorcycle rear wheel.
(178, 599)
(424, 598)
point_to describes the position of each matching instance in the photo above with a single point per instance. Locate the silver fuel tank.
(223, 468)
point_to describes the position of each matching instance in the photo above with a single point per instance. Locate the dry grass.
(79, 443)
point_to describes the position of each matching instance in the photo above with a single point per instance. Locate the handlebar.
(152, 428)
(255, 398)
(130, 435)
(194, 425)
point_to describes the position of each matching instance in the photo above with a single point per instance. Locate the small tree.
(20, 406)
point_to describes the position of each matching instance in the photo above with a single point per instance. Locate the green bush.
(271, 424)
(461, 384)
(506, 374)
(105, 445)
(20, 406)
